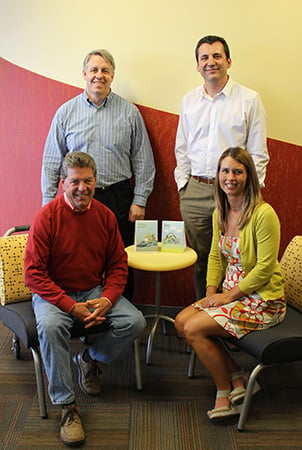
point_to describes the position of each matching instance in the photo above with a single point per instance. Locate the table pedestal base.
(157, 318)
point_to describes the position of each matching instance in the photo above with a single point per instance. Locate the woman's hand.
(216, 300)
(213, 299)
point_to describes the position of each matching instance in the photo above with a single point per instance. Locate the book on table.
(173, 236)
(146, 235)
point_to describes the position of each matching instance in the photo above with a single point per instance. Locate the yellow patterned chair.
(16, 311)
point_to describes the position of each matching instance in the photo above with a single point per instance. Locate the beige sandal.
(223, 412)
(238, 393)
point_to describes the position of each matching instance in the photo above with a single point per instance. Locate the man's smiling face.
(213, 63)
(79, 186)
(98, 76)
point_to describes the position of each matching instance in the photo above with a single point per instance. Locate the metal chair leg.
(39, 382)
(138, 373)
(16, 346)
(192, 362)
(248, 397)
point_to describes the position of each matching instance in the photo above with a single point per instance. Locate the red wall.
(28, 104)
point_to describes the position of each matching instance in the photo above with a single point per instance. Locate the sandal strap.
(238, 391)
(239, 374)
(223, 394)
(220, 409)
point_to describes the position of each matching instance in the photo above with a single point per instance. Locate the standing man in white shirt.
(218, 115)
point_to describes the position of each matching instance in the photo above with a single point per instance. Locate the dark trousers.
(118, 197)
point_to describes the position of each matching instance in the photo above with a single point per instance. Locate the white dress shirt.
(234, 117)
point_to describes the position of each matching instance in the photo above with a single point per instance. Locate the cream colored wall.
(153, 44)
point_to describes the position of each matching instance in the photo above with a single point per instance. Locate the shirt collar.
(104, 103)
(73, 208)
(225, 91)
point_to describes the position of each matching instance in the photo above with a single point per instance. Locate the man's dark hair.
(210, 40)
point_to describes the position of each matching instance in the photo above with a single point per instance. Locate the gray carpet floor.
(168, 414)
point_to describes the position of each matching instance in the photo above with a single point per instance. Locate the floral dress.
(248, 313)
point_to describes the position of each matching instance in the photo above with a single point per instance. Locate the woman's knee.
(194, 329)
(179, 323)
(183, 318)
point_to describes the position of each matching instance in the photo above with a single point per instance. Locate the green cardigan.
(259, 245)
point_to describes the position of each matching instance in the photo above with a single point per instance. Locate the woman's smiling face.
(232, 177)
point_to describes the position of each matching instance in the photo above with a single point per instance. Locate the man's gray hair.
(77, 159)
(104, 54)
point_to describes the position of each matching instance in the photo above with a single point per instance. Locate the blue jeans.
(125, 322)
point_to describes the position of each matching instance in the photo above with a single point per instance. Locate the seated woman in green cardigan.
(244, 283)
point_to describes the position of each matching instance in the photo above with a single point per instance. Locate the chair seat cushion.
(20, 319)
(281, 343)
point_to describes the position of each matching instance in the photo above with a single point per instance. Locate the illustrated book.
(173, 236)
(146, 235)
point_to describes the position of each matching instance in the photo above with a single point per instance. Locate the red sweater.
(71, 251)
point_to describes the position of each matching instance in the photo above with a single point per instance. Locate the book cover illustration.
(173, 236)
(146, 235)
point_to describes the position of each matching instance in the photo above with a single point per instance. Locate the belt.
(112, 186)
(204, 179)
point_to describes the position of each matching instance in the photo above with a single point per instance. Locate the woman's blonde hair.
(252, 194)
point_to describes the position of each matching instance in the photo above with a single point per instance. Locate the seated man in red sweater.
(76, 266)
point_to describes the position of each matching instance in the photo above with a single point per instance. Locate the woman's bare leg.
(200, 331)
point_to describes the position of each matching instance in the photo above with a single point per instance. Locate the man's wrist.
(108, 300)
(72, 307)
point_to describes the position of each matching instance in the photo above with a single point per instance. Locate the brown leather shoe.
(71, 431)
(88, 375)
